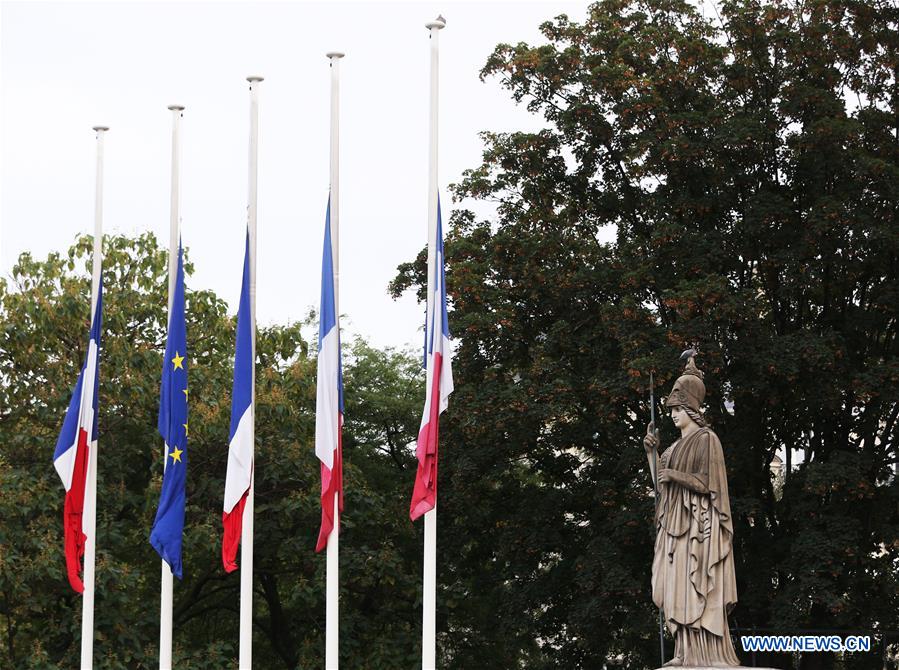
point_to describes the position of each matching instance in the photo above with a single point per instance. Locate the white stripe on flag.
(326, 404)
(446, 372)
(65, 463)
(443, 347)
(240, 461)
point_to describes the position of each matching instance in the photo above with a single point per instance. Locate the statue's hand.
(651, 441)
(665, 475)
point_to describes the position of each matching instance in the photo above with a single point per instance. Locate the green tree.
(747, 163)
(43, 329)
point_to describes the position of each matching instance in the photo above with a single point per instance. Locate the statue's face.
(680, 418)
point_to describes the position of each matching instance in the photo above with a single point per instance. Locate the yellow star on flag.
(176, 455)
(184, 391)
(185, 429)
(178, 360)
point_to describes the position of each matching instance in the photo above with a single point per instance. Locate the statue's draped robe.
(693, 578)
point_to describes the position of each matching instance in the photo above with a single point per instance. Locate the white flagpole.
(246, 538)
(332, 621)
(90, 492)
(167, 583)
(429, 586)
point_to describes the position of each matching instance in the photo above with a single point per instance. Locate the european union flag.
(167, 529)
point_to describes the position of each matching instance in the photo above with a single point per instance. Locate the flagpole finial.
(335, 54)
(253, 78)
(100, 129)
(178, 108)
(437, 23)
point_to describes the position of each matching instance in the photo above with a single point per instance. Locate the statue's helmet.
(689, 389)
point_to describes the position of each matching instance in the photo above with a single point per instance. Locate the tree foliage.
(746, 160)
(44, 317)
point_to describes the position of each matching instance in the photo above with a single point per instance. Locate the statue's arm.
(651, 445)
(697, 483)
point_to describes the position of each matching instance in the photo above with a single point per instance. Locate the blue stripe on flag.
(439, 275)
(328, 313)
(441, 268)
(243, 355)
(70, 423)
(96, 327)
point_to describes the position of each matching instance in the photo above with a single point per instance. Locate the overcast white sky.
(69, 66)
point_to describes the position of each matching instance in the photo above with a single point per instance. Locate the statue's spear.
(655, 488)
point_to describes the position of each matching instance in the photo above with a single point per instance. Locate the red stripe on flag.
(424, 495)
(72, 514)
(332, 483)
(233, 525)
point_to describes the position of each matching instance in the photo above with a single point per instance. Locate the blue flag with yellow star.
(169, 524)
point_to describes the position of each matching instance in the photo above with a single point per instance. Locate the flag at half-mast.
(439, 385)
(240, 445)
(329, 395)
(72, 455)
(169, 524)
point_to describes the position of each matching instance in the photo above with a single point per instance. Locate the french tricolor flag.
(77, 438)
(240, 445)
(439, 385)
(329, 395)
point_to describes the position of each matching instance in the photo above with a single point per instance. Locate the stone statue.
(693, 579)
